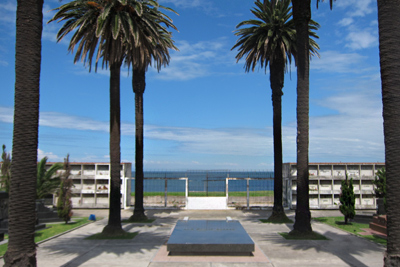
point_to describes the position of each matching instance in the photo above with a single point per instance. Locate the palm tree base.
(20, 259)
(302, 234)
(113, 230)
(302, 221)
(279, 216)
(138, 216)
(391, 260)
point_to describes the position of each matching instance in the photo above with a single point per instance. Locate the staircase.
(379, 224)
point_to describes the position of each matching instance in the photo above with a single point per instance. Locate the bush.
(64, 203)
(347, 199)
(380, 185)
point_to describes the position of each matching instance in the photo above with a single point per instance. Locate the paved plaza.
(148, 248)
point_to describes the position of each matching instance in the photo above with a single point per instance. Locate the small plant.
(64, 203)
(380, 185)
(347, 199)
(5, 170)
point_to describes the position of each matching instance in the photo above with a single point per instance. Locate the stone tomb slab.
(210, 237)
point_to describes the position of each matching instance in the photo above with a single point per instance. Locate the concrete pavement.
(146, 249)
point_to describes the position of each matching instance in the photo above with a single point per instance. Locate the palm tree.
(104, 27)
(302, 17)
(389, 36)
(21, 245)
(47, 182)
(271, 39)
(150, 46)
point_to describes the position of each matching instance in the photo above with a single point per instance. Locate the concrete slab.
(209, 236)
(207, 203)
(257, 257)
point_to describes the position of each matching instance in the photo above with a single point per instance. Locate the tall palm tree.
(21, 245)
(104, 28)
(302, 17)
(389, 37)
(47, 181)
(150, 46)
(271, 39)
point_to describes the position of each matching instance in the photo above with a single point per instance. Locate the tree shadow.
(346, 247)
(72, 249)
(76, 251)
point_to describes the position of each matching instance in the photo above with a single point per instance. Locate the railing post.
(166, 191)
(248, 193)
(227, 190)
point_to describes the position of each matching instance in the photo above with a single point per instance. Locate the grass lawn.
(139, 221)
(351, 227)
(51, 230)
(101, 236)
(287, 220)
(262, 193)
(310, 236)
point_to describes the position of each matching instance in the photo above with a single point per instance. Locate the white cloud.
(184, 3)
(334, 61)
(355, 132)
(205, 5)
(8, 12)
(361, 39)
(50, 155)
(250, 142)
(6, 114)
(346, 21)
(357, 8)
(194, 60)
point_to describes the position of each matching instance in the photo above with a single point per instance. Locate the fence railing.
(240, 192)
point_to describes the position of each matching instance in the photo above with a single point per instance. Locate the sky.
(204, 111)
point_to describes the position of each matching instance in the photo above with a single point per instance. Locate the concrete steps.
(379, 224)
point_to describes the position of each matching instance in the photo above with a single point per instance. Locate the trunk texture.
(114, 219)
(277, 71)
(302, 16)
(139, 85)
(22, 216)
(389, 39)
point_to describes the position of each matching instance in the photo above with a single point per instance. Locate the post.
(166, 191)
(226, 190)
(248, 193)
(186, 190)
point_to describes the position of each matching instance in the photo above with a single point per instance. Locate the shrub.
(64, 203)
(380, 185)
(347, 199)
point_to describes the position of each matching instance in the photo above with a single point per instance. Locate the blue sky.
(204, 111)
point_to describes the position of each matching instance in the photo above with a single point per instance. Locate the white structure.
(92, 183)
(325, 182)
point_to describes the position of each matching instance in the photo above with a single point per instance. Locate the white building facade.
(92, 184)
(325, 182)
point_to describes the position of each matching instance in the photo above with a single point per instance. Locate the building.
(92, 184)
(325, 182)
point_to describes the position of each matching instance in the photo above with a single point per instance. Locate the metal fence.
(172, 189)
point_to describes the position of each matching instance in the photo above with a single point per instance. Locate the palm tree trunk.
(389, 38)
(114, 219)
(277, 70)
(139, 85)
(302, 16)
(22, 216)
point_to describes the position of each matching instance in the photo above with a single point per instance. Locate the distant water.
(202, 181)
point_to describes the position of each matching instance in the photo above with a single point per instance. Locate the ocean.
(206, 181)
